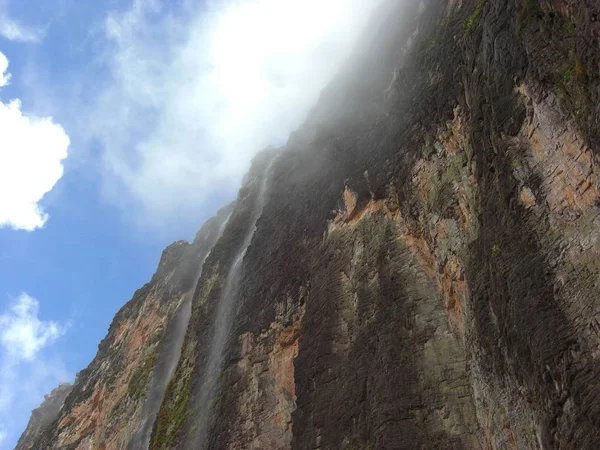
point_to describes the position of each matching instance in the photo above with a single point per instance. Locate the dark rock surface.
(424, 274)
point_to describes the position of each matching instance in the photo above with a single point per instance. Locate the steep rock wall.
(424, 272)
(44, 416)
(103, 409)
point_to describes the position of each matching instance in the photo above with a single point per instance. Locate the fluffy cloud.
(22, 333)
(4, 76)
(193, 94)
(27, 371)
(31, 154)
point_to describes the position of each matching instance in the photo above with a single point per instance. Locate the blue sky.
(124, 124)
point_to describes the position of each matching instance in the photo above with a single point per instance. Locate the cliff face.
(45, 415)
(416, 269)
(109, 401)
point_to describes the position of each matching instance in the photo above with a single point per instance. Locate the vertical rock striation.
(221, 324)
(168, 357)
(107, 404)
(423, 273)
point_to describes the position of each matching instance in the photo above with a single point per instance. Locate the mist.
(191, 94)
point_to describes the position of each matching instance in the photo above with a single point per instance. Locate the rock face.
(45, 415)
(107, 404)
(424, 271)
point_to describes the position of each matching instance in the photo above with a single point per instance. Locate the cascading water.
(163, 372)
(223, 320)
(167, 361)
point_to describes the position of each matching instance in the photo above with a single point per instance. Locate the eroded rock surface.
(424, 274)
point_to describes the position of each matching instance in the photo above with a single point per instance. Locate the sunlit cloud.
(4, 75)
(31, 154)
(192, 97)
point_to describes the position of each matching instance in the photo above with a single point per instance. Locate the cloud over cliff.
(194, 93)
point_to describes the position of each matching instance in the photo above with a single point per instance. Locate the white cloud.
(27, 370)
(14, 31)
(31, 153)
(193, 96)
(4, 76)
(22, 333)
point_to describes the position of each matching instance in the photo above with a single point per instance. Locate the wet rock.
(424, 272)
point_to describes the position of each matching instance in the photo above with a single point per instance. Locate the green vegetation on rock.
(136, 388)
(174, 410)
(472, 21)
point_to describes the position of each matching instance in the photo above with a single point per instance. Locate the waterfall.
(162, 373)
(223, 321)
(168, 358)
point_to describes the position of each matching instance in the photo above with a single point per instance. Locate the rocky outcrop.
(45, 415)
(104, 408)
(423, 274)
